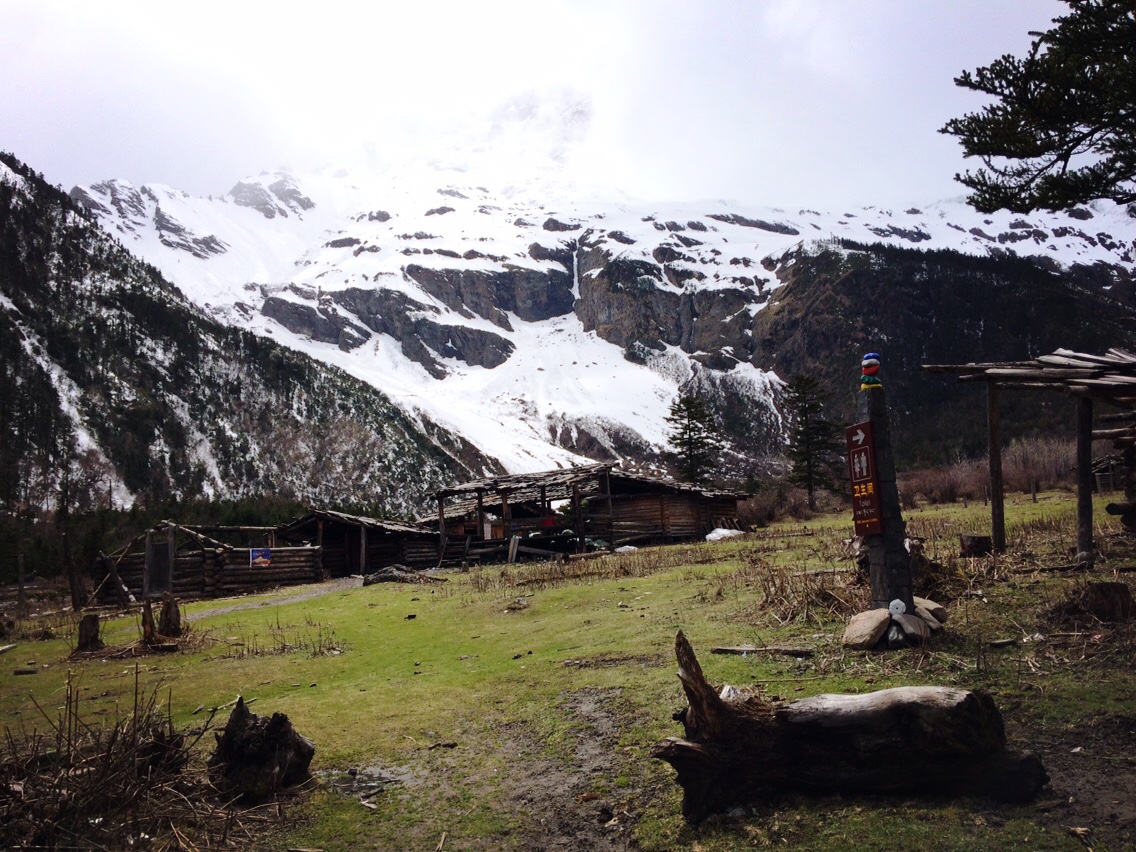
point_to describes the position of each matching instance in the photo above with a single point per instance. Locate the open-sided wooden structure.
(352, 544)
(188, 563)
(1109, 379)
(572, 510)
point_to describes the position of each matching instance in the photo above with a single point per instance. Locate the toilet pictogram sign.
(864, 474)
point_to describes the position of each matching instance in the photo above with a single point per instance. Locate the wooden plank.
(784, 650)
(1084, 479)
(997, 488)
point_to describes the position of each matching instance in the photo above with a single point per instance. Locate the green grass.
(373, 687)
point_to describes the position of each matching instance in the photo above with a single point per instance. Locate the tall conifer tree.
(814, 444)
(693, 438)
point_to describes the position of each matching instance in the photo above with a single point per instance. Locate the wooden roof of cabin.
(1110, 377)
(385, 526)
(559, 484)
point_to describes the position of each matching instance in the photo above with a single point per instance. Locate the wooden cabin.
(188, 563)
(558, 512)
(351, 544)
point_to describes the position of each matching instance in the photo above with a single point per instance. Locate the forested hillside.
(115, 388)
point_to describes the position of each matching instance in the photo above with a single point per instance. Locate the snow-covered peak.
(541, 320)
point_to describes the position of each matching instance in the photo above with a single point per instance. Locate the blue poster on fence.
(260, 557)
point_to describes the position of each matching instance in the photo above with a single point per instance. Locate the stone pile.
(882, 629)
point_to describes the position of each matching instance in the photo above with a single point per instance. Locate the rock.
(914, 627)
(929, 619)
(865, 629)
(937, 610)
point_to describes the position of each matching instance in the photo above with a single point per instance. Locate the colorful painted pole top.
(869, 367)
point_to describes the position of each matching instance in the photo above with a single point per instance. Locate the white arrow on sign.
(859, 436)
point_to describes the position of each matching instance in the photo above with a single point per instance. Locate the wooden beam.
(1084, 480)
(994, 452)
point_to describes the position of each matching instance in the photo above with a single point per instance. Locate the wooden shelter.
(554, 513)
(352, 544)
(188, 563)
(1109, 379)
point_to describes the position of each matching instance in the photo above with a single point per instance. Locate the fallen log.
(400, 574)
(738, 746)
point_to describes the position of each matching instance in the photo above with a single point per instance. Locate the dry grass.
(131, 784)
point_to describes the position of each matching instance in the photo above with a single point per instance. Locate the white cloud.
(793, 102)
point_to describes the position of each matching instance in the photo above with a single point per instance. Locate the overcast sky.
(819, 103)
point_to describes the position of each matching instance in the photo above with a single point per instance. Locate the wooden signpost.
(875, 496)
(863, 472)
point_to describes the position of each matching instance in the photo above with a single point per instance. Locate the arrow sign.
(861, 443)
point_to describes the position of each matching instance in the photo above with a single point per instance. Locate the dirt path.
(305, 593)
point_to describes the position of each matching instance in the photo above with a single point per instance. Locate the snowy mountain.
(114, 386)
(545, 324)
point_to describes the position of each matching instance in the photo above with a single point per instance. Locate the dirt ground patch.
(1092, 778)
(564, 810)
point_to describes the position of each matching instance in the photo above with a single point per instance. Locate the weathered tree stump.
(971, 544)
(89, 639)
(257, 757)
(739, 747)
(169, 618)
(149, 630)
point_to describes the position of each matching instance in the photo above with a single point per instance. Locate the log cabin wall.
(217, 572)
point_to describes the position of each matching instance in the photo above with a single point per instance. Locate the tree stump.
(149, 631)
(972, 544)
(169, 618)
(257, 757)
(89, 639)
(739, 747)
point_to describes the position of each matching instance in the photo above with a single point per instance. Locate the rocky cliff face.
(546, 328)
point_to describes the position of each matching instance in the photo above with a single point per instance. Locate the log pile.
(738, 747)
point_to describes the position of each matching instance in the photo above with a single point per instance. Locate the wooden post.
(362, 549)
(889, 561)
(610, 511)
(171, 548)
(994, 452)
(21, 592)
(441, 527)
(322, 574)
(1084, 481)
(506, 516)
(578, 519)
(148, 564)
(481, 516)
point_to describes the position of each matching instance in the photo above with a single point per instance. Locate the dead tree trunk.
(739, 747)
(89, 639)
(256, 757)
(169, 618)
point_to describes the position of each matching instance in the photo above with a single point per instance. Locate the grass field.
(516, 706)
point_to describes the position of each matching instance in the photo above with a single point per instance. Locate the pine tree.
(1062, 128)
(693, 438)
(814, 445)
